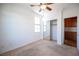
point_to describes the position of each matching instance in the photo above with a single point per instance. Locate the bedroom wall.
(17, 26)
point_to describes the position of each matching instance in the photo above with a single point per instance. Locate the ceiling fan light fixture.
(43, 6)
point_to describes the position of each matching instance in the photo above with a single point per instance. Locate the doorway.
(53, 30)
(70, 31)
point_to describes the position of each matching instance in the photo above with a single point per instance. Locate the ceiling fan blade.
(49, 3)
(48, 8)
(31, 5)
(34, 5)
(41, 3)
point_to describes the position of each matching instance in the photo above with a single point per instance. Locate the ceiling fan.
(43, 6)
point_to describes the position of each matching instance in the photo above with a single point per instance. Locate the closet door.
(53, 30)
(70, 31)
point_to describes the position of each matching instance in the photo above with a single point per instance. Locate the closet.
(53, 30)
(70, 31)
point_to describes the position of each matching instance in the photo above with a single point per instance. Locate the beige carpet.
(43, 48)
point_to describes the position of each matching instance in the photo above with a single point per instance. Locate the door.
(53, 30)
(70, 31)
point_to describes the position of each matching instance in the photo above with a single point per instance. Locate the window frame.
(44, 26)
(37, 24)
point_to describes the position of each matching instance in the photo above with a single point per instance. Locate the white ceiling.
(55, 7)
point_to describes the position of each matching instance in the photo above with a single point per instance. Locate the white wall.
(70, 12)
(60, 28)
(17, 26)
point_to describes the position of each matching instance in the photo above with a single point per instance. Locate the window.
(37, 24)
(44, 26)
